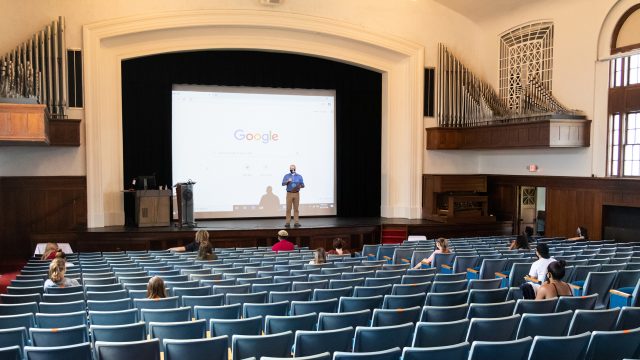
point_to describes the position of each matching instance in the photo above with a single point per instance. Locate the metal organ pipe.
(37, 69)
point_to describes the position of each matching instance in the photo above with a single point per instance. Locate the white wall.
(421, 21)
(577, 25)
(46, 160)
(576, 69)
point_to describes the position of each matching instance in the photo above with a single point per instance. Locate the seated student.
(282, 244)
(61, 255)
(582, 234)
(201, 236)
(520, 242)
(338, 247)
(538, 270)
(554, 286)
(57, 269)
(156, 289)
(205, 252)
(319, 257)
(50, 251)
(443, 248)
(528, 232)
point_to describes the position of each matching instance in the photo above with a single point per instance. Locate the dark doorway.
(620, 223)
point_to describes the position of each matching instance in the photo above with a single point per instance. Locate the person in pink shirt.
(282, 244)
(443, 248)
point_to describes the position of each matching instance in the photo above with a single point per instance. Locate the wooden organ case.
(456, 199)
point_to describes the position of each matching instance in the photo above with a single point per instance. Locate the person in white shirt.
(538, 271)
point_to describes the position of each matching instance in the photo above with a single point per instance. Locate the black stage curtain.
(146, 111)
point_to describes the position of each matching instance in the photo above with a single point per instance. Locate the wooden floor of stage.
(314, 232)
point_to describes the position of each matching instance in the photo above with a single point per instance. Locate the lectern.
(185, 204)
(152, 208)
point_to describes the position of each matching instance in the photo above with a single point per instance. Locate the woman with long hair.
(205, 251)
(200, 237)
(520, 243)
(319, 257)
(581, 234)
(443, 248)
(57, 270)
(156, 289)
(50, 251)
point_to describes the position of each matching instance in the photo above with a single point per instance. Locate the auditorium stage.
(314, 232)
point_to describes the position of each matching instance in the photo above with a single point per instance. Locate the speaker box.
(185, 204)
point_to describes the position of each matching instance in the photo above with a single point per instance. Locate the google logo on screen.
(265, 137)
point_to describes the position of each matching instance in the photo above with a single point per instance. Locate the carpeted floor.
(8, 271)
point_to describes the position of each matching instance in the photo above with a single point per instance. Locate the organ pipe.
(466, 100)
(36, 70)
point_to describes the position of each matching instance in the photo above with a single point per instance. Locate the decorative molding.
(526, 56)
(107, 43)
(608, 28)
(615, 49)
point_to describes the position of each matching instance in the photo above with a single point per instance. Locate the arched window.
(623, 154)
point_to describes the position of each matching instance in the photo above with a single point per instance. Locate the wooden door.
(526, 208)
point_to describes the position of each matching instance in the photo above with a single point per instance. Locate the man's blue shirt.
(295, 180)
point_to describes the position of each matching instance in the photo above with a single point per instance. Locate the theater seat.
(213, 348)
(390, 354)
(431, 334)
(315, 342)
(614, 344)
(246, 346)
(457, 351)
(145, 349)
(76, 352)
(490, 350)
(369, 339)
(559, 347)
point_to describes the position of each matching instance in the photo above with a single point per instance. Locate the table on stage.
(65, 247)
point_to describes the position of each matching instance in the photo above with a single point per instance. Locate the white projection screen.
(237, 143)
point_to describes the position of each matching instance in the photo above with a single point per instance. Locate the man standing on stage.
(293, 181)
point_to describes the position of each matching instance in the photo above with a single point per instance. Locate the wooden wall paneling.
(428, 202)
(116, 239)
(581, 207)
(555, 225)
(23, 124)
(32, 205)
(597, 213)
(503, 200)
(534, 134)
(65, 132)
(571, 201)
(326, 242)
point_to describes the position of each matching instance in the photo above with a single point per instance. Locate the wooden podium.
(153, 208)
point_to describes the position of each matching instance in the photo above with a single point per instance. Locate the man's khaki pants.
(293, 199)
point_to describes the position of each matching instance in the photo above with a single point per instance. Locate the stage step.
(394, 234)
